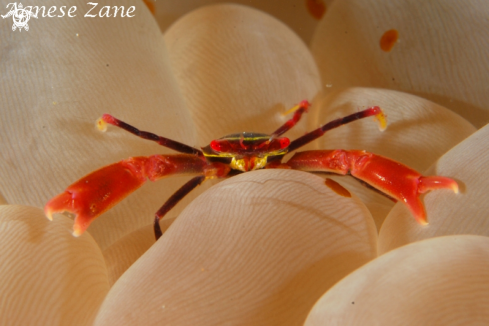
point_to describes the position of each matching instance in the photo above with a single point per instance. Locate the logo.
(20, 15)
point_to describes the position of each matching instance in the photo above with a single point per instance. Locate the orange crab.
(98, 191)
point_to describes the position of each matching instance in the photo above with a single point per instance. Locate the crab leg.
(373, 111)
(388, 176)
(172, 144)
(298, 110)
(173, 200)
(213, 170)
(100, 190)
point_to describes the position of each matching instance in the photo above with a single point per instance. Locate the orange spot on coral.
(336, 187)
(316, 8)
(388, 40)
(151, 6)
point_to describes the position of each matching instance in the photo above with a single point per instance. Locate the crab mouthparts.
(248, 163)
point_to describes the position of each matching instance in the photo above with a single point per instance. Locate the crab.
(237, 153)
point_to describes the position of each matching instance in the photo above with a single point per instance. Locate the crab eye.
(284, 142)
(215, 146)
(279, 143)
(219, 146)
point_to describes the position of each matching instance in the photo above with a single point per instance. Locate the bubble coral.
(265, 247)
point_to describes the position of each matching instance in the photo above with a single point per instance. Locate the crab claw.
(388, 176)
(398, 181)
(435, 182)
(98, 191)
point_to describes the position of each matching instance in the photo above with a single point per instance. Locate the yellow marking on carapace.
(316, 8)
(382, 120)
(240, 164)
(101, 125)
(388, 40)
(151, 6)
(248, 138)
(336, 187)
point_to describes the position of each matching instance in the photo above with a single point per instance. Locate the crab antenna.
(298, 110)
(172, 144)
(309, 137)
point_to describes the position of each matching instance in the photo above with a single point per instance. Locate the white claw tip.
(48, 214)
(77, 229)
(455, 188)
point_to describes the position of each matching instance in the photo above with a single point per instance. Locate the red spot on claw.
(388, 40)
(316, 8)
